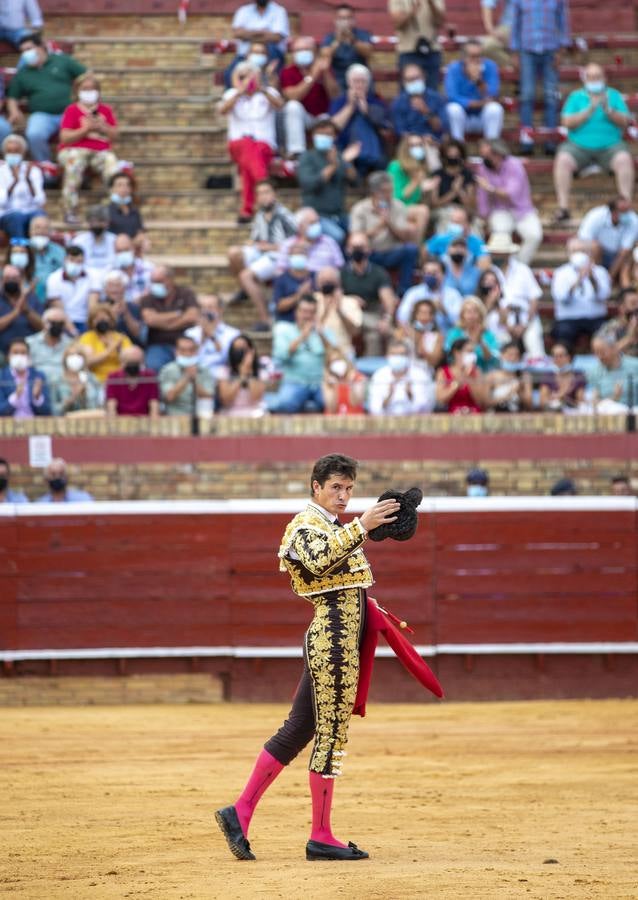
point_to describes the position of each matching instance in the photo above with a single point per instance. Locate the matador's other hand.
(380, 514)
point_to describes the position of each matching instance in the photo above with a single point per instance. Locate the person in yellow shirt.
(103, 343)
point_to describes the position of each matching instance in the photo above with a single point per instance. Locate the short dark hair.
(5, 462)
(457, 345)
(74, 250)
(518, 344)
(333, 464)
(18, 340)
(615, 479)
(31, 39)
(307, 298)
(626, 292)
(345, 6)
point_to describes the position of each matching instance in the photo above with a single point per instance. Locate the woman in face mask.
(103, 343)
(628, 275)
(424, 334)
(460, 385)
(451, 185)
(471, 325)
(410, 177)
(124, 216)
(87, 132)
(511, 385)
(21, 188)
(344, 387)
(564, 387)
(20, 255)
(76, 389)
(242, 387)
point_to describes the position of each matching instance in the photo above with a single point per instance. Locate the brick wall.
(78, 690)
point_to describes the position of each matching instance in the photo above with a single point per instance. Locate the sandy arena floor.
(451, 801)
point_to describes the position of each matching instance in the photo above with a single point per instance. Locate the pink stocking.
(266, 770)
(321, 790)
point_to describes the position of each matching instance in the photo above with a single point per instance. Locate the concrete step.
(149, 112)
(138, 51)
(140, 143)
(155, 81)
(203, 27)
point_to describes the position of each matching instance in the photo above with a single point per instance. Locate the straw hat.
(500, 243)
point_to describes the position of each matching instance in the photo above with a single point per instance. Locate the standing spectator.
(299, 349)
(20, 310)
(360, 118)
(540, 29)
(124, 216)
(45, 82)
(264, 21)
(424, 335)
(128, 316)
(24, 392)
(347, 44)
(75, 287)
(416, 23)
(370, 283)
(344, 387)
(608, 233)
(511, 385)
(452, 197)
(446, 299)
(402, 387)
(610, 377)
(21, 188)
(7, 495)
(389, 227)
(242, 385)
(87, 131)
(418, 109)
(322, 250)
(133, 389)
(461, 387)
(168, 309)
(13, 20)
(337, 313)
(103, 343)
(478, 483)
(46, 347)
(308, 86)
(75, 389)
(595, 117)
(521, 293)
(624, 327)
(47, 255)
(580, 290)
(564, 387)
(323, 174)
(134, 266)
(504, 198)
(497, 38)
(472, 87)
(252, 140)
(461, 272)
(185, 382)
(212, 335)
(98, 243)
(59, 491)
(294, 282)
(471, 328)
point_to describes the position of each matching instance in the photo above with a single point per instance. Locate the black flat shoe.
(316, 850)
(231, 829)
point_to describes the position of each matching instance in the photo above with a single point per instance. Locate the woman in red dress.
(460, 385)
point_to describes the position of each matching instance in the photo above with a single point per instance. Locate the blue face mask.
(298, 261)
(398, 362)
(509, 366)
(158, 289)
(455, 230)
(13, 159)
(626, 218)
(125, 258)
(258, 60)
(186, 362)
(19, 259)
(417, 152)
(323, 142)
(595, 87)
(423, 326)
(30, 57)
(562, 370)
(431, 282)
(303, 57)
(415, 87)
(313, 231)
(476, 490)
(120, 201)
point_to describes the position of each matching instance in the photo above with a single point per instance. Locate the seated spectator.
(7, 494)
(580, 290)
(496, 40)
(20, 255)
(186, 386)
(418, 109)
(241, 389)
(344, 387)
(98, 243)
(264, 21)
(624, 327)
(21, 188)
(409, 174)
(447, 300)
(323, 174)
(130, 260)
(337, 313)
(347, 44)
(472, 87)
(75, 288)
(564, 387)
(371, 284)
(498, 319)
(520, 294)
(20, 310)
(461, 387)
(596, 117)
(212, 335)
(504, 198)
(360, 118)
(416, 28)
(44, 81)
(74, 389)
(24, 392)
(299, 350)
(628, 275)
(252, 140)
(124, 216)
(308, 86)
(461, 272)
(620, 486)
(294, 283)
(609, 233)
(132, 390)
(321, 250)
(255, 263)
(59, 491)
(46, 347)
(424, 335)
(128, 316)
(168, 309)
(477, 483)
(13, 20)
(87, 131)
(258, 59)
(609, 379)
(510, 387)
(47, 255)
(103, 343)
(471, 327)
(452, 194)
(390, 228)
(402, 387)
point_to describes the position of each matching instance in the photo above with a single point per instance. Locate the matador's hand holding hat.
(404, 526)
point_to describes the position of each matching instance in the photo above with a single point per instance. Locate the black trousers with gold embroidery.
(326, 692)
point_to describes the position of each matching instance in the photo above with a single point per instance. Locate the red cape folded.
(377, 621)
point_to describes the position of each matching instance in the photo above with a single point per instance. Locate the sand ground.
(451, 801)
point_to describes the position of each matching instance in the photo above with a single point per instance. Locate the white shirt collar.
(324, 512)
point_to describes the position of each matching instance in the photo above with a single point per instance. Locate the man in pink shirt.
(504, 198)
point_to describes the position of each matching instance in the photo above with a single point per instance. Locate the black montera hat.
(404, 526)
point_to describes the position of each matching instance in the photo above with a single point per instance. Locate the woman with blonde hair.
(471, 325)
(103, 342)
(409, 174)
(76, 389)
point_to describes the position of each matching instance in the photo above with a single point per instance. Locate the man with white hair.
(59, 491)
(322, 249)
(580, 290)
(212, 335)
(47, 347)
(610, 377)
(48, 255)
(361, 117)
(128, 316)
(21, 188)
(307, 85)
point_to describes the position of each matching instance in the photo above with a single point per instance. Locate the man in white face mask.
(400, 387)
(186, 386)
(308, 85)
(47, 255)
(580, 290)
(23, 389)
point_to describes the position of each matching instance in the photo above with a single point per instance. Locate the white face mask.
(339, 367)
(89, 98)
(579, 259)
(75, 362)
(398, 362)
(19, 361)
(635, 254)
(469, 359)
(39, 241)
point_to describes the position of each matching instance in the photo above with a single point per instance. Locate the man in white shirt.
(75, 287)
(608, 233)
(262, 21)
(401, 387)
(212, 335)
(97, 242)
(135, 267)
(580, 290)
(520, 293)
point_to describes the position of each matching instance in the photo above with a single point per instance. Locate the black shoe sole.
(237, 851)
(312, 858)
